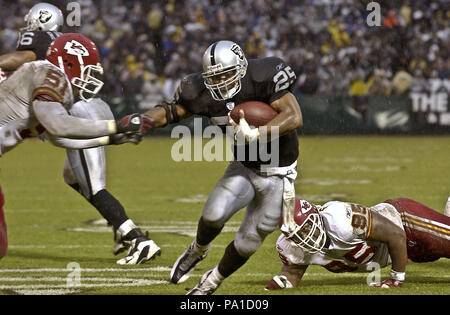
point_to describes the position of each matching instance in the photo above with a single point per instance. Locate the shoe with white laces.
(141, 248)
(206, 285)
(185, 264)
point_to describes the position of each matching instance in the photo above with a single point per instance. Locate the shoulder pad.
(264, 69)
(52, 83)
(190, 87)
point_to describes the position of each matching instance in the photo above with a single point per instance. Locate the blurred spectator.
(401, 82)
(151, 91)
(328, 43)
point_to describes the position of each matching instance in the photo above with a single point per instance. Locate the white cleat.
(140, 252)
(205, 286)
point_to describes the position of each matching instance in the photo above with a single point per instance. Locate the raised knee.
(214, 216)
(213, 220)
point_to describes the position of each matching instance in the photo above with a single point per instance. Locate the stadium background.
(352, 79)
(367, 78)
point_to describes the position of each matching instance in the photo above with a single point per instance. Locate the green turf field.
(51, 226)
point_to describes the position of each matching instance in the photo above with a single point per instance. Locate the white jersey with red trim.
(31, 80)
(347, 226)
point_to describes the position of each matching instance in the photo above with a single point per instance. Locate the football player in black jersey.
(267, 190)
(84, 170)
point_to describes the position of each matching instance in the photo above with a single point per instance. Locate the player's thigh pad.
(89, 168)
(232, 192)
(89, 165)
(262, 215)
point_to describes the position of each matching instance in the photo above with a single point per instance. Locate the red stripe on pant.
(423, 246)
(3, 234)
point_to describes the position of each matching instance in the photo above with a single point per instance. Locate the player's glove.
(134, 123)
(3, 76)
(122, 138)
(396, 281)
(278, 282)
(243, 130)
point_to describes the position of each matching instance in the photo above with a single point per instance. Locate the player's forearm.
(56, 121)
(10, 62)
(158, 115)
(384, 230)
(77, 144)
(285, 122)
(163, 115)
(289, 115)
(398, 252)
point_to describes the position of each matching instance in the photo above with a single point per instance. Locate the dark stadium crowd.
(148, 46)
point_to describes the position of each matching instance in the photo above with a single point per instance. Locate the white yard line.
(136, 283)
(50, 270)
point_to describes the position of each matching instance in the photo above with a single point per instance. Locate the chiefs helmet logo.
(305, 206)
(44, 16)
(75, 48)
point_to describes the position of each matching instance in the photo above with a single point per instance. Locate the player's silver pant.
(87, 167)
(262, 194)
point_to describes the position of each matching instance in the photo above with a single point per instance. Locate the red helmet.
(308, 233)
(77, 56)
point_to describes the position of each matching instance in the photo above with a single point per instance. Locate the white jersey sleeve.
(17, 119)
(36, 98)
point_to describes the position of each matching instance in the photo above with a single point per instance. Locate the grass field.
(50, 226)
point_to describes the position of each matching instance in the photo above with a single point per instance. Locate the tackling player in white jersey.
(346, 237)
(38, 97)
(84, 169)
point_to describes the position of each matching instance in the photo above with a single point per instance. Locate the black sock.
(205, 233)
(109, 207)
(231, 261)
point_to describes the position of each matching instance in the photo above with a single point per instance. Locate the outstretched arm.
(165, 114)
(12, 61)
(55, 119)
(76, 144)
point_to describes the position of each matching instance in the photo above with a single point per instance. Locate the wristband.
(112, 127)
(398, 276)
(104, 140)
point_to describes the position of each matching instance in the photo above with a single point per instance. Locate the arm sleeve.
(77, 144)
(55, 119)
